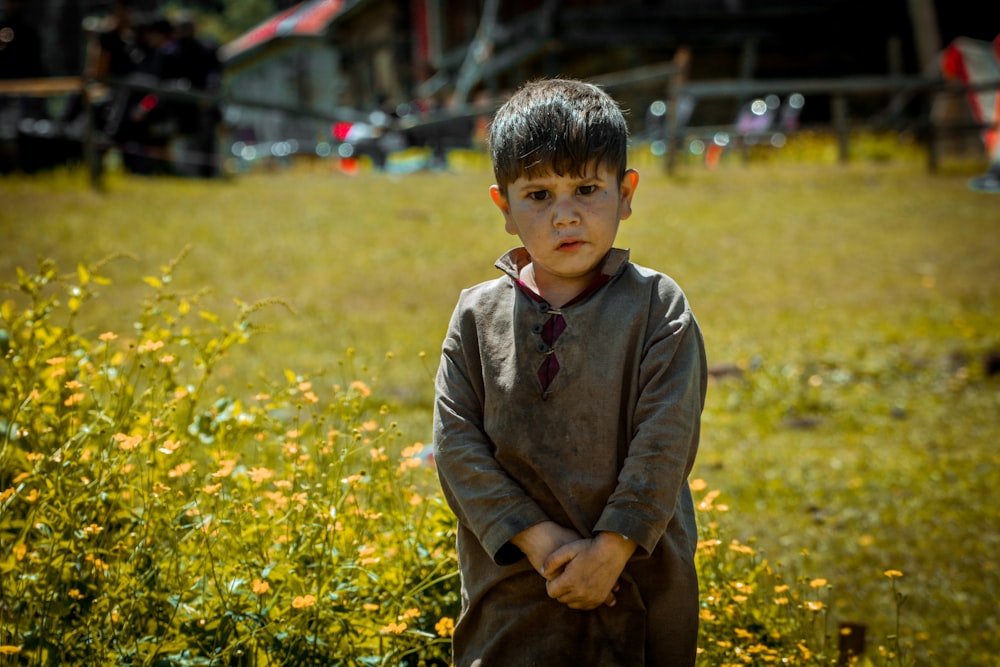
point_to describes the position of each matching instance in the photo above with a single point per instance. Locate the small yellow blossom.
(167, 359)
(226, 468)
(55, 361)
(259, 475)
(181, 469)
(370, 425)
(169, 446)
(20, 550)
(370, 606)
(412, 450)
(304, 601)
(7, 649)
(361, 388)
(814, 605)
(394, 628)
(893, 574)
(107, 336)
(416, 499)
(75, 594)
(445, 627)
(781, 589)
(409, 613)
(211, 489)
(150, 346)
(127, 442)
(698, 485)
(260, 587)
(818, 583)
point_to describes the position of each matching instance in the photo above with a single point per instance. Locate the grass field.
(855, 308)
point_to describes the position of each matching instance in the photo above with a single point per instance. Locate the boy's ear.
(501, 203)
(629, 183)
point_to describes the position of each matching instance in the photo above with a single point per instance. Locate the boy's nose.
(565, 213)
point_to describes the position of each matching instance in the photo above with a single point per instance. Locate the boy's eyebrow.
(543, 180)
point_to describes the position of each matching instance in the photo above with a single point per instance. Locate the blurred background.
(204, 87)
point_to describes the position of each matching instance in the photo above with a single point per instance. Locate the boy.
(568, 408)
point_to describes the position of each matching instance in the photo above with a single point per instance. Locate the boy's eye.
(538, 195)
(587, 189)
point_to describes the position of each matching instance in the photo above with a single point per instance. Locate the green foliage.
(147, 522)
(856, 305)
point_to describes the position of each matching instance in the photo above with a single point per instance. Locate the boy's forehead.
(592, 169)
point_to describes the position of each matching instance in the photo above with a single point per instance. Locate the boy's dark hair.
(557, 125)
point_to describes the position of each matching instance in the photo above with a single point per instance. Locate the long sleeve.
(479, 491)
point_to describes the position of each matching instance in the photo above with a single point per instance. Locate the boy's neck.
(557, 295)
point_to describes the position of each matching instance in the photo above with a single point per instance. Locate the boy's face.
(567, 223)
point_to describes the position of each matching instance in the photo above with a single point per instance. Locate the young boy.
(568, 409)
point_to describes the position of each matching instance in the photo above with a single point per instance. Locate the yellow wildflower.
(361, 388)
(7, 649)
(259, 475)
(445, 627)
(107, 336)
(20, 550)
(304, 601)
(893, 574)
(127, 442)
(260, 587)
(75, 594)
(150, 346)
(370, 606)
(814, 605)
(394, 628)
(181, 469)
(818, 583)
(412, 450)
(226, 468)
(409, 613)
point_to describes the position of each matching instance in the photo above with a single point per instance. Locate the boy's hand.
(584, 574)
(541, 540)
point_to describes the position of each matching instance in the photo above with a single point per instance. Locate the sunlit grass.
(856, 301)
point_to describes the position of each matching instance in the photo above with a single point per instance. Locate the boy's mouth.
(569, 245)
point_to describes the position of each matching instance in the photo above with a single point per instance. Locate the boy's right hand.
(539, 541)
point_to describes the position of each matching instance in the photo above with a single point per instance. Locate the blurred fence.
(681, 95)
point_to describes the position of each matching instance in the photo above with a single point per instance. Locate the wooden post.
(91, 153)
(838, 110)
(850, 642)
(682, 60)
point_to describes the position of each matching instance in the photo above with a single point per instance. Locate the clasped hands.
(580, 572)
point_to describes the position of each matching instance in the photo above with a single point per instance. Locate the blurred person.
(20, 58)
(190, 63)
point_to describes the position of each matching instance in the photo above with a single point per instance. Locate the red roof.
(306, 19)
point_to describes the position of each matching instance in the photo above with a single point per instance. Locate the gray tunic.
(606, 447)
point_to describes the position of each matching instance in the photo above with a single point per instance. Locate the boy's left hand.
(584, 574)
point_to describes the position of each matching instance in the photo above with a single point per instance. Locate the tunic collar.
(514, 260)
